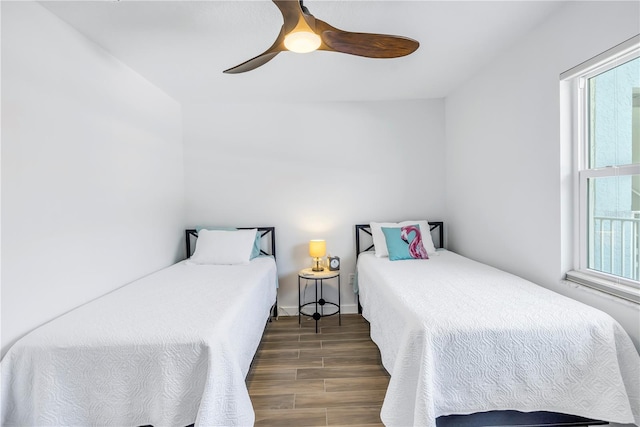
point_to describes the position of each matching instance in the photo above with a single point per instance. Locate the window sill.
(604, 284)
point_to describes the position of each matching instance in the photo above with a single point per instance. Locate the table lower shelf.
(322, 303)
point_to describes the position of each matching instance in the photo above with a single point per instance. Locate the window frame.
(578, 77)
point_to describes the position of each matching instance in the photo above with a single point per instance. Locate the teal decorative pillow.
(404, 242)
(255, 252)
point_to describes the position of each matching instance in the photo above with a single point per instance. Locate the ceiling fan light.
(302, 41)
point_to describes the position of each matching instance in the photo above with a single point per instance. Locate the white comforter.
(170, 349)
(458, 336)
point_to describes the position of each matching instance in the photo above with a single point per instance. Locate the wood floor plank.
(348, 384)
(287, 319)
(291, 418)
(345, 328)
(310, 324)
(273, 401)
(281, 345)
(290, 386)
(333, 321)
(340, 399)
(289, 330)
(359, 343)
(353, 416)
(271, 375)
(336, 336)
(307, 362)
(285, 353)
(346, 351)
(360, 425)
(282, 337)
(365, 360)
(352, 372)
(347, 319)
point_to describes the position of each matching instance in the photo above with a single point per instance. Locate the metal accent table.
(319, 303)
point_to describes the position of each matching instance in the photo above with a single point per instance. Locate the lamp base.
(316, 265)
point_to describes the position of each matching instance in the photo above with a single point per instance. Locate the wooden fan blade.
(263, 58)
(291, 12)
(364, 44)
(252, 64)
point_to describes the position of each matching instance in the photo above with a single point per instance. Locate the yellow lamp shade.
(317, 248)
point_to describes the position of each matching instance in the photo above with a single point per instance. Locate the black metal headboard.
(438, 226)
(264, 232)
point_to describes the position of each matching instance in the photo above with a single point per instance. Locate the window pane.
(614, 116)
(614, 226)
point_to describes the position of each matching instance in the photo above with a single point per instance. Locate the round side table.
(319, 303)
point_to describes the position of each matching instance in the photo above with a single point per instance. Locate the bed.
(170, 349)
(469, 345)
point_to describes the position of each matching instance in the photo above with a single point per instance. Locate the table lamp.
(317, 249)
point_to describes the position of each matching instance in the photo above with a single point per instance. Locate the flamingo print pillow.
(404, 242)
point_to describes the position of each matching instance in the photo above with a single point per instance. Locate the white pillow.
(380, 243)
(223, 247)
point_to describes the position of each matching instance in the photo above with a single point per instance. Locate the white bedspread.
(458, 336)
(170, 349)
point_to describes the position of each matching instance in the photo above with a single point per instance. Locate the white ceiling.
(183, 46)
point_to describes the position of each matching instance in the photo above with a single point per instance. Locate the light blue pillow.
(255, 252)
(404, 242)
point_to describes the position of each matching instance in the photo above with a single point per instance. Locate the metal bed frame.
(365, 229)
(270, 232)
(264, 231)
(489, 418)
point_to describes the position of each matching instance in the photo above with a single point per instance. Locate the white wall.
(92, 173)
(508, 179)
(313, 170)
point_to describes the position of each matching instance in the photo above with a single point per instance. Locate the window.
(606, 134)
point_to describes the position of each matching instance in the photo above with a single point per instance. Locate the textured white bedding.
(459, 337)
(170, 349)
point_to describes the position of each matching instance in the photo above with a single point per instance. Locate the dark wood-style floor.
(332, 378)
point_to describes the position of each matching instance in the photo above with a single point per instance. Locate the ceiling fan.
(302, 33)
